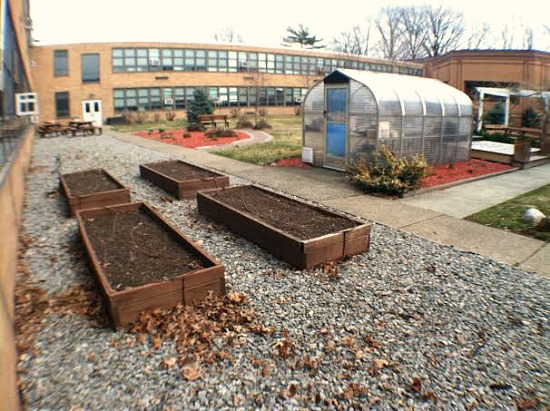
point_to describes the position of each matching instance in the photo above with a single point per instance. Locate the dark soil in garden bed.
(297, 219)
(134, 250)
(89, 181)
(180, 171)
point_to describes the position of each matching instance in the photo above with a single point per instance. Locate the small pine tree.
(530, 118)
(495, 115)
(201, 104)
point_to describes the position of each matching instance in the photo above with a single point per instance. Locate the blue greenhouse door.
(337, 113)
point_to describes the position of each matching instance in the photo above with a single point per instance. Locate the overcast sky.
(260, 23)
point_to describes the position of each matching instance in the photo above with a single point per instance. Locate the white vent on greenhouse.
(307, 155)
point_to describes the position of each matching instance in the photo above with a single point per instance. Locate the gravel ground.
(411, 324)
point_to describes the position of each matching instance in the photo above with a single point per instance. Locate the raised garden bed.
(181, 179)
(142, 262)
(301, 234)
(92, 188)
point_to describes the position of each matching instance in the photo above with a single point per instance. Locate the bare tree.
(528, 39)
(444, 30)
(356, 41)
(388, 25)
(413, 29)
(546, 28)
(507, 38)
(478, 38)
(228, 35)
(256, 81)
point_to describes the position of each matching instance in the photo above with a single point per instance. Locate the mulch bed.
(196, 138)
(300, 220)
(462, 170)
(440, 174)
(89, 181)
(134, 250)
(291, 162)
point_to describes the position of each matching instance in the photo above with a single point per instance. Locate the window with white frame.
(26, 104)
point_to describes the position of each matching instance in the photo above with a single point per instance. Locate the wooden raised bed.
(142, 262)
(92, 188)
(307, 237)
(181, 179)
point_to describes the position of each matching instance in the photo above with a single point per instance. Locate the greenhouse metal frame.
(352, 113)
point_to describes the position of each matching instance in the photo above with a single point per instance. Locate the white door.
(91, 111)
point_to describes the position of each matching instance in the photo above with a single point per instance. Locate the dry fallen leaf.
(168, 362)
(360, 354)
(347, 341)
(192, 372)
(292, 390)
(416, 385)
(377, 365)
(527, 404)
(347, 394)
(141, 338)
(235, 297)
(157, 342)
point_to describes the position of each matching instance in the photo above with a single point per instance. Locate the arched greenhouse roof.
(398, 94)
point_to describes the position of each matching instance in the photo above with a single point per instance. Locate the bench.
(210, 119)
(532, 133)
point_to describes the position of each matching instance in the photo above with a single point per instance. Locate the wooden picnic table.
(84, 127)
(52, 128)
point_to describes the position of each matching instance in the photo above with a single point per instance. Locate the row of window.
(154, 59)
(88, 62)
(167, 59)
(143, 99)
(156, 98)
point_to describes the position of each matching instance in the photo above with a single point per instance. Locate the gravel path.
(409, 325)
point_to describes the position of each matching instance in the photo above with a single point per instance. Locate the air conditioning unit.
(307, 155)
(154, 62)
(168, 101)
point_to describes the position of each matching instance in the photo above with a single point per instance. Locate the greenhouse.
(351, 113)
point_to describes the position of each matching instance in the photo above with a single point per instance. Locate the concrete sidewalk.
(436, 215)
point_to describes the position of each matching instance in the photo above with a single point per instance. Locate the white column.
(480, 111)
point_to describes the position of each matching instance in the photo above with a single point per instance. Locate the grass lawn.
(509, 215)
(286, 143)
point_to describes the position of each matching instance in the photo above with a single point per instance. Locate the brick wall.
(12, 193)
(46, 84)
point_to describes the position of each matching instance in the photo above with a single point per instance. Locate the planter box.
(113, 240)
(303, 253)
(181, 179)
(108, 191)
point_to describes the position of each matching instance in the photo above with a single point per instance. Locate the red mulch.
(441, 174)
(291, 162)
(196, 138)
(462, 170)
